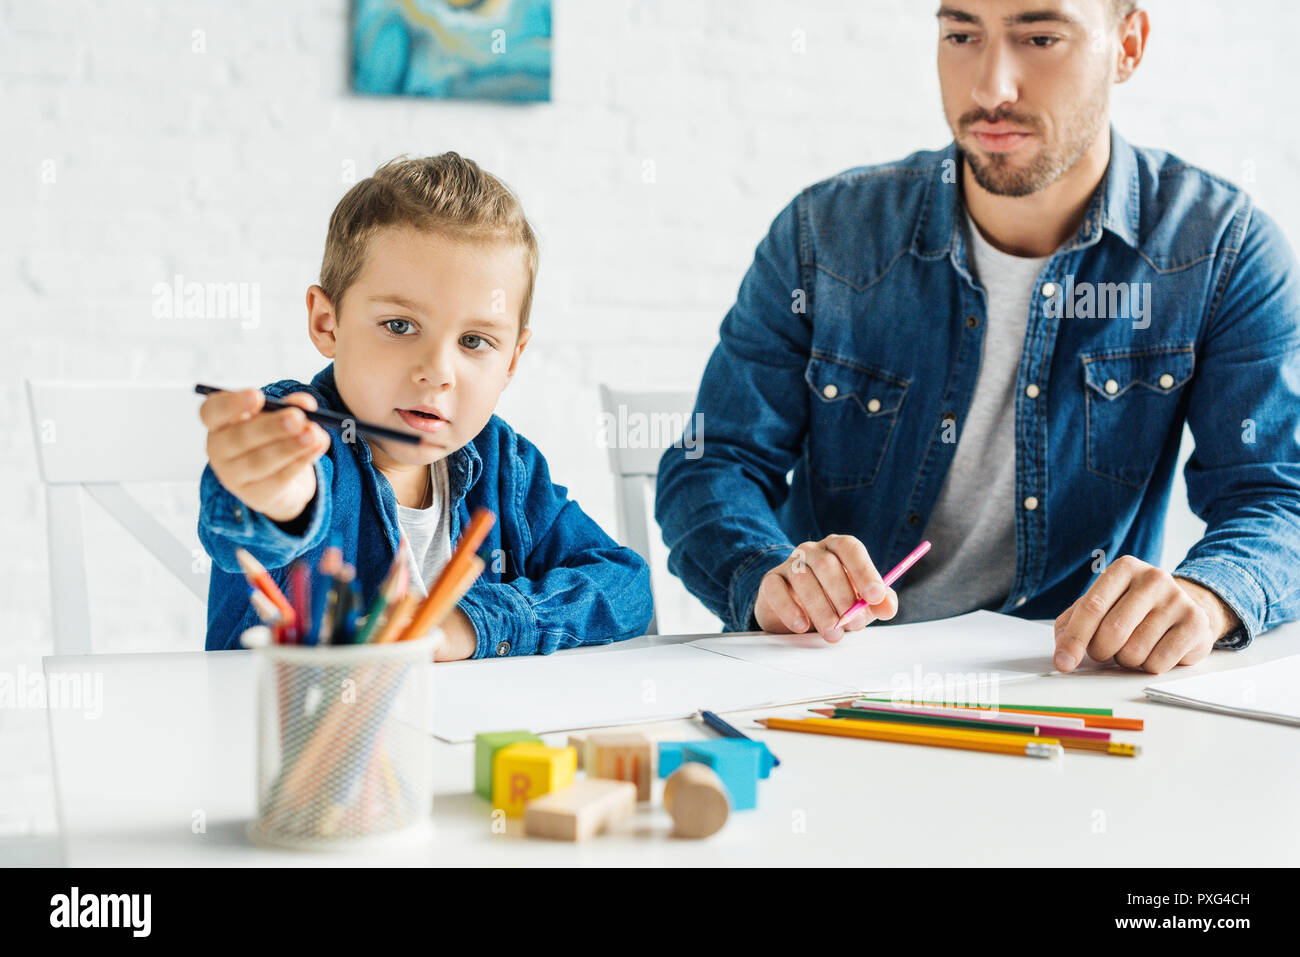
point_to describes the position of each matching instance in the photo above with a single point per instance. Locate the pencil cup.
(343, 747)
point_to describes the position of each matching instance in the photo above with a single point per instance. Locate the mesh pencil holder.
(343, 748)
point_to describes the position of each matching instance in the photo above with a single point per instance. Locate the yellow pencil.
(1025, 745)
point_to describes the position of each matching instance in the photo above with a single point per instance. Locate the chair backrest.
(639, 426)
(95, 436)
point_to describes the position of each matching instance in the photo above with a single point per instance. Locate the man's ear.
(1132, 44)
(322, 322)
(514, 359)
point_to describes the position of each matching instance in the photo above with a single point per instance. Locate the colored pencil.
(891, 576)
(342, 589)
(968, 714)
(974, 724)
(1089, 720)
(1017, 744)
(330, 561)
(300, 597)
(435, 604)
(257, 575)
(1072, 739)
(386, 595)
(1046, 709)
(335, 420)
(728, 731)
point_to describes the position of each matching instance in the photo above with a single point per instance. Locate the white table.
(174, 745)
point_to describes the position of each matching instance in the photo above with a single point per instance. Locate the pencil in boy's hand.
(334, 419)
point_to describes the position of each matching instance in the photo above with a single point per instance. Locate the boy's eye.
(388, 324)
(472, 342)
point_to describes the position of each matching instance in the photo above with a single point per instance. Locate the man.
(995, 347)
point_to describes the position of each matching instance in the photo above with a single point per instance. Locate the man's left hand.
(1144, 618)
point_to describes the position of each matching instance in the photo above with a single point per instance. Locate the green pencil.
(985, 706)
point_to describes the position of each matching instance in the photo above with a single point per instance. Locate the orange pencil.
(261, 579)
(435, 602)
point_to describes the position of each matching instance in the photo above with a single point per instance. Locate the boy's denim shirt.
(856, 338)
(554, 580)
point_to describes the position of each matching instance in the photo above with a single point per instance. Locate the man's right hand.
(817, 584)
(264, 458)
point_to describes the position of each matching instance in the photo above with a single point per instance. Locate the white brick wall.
(224, 165)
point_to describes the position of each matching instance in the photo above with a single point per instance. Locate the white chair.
(657, 420)
(94, 436)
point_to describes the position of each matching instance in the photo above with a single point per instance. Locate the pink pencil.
(893, 575)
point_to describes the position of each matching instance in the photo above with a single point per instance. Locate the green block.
(485, 746)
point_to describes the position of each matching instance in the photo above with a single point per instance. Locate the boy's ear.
(322, 322)
(519, 350)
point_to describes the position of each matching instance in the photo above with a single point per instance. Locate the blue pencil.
(727, 731)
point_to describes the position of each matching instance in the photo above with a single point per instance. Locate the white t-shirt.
(428, 533)
(972, 563)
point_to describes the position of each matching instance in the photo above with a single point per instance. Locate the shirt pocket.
(853, 412)
(1131, 405)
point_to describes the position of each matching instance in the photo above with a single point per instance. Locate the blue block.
(670, 757)
(736, 761)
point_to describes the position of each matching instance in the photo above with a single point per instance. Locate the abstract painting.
(453, 49)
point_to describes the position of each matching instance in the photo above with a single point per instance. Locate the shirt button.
(1020, 601)
(1049, 290)
(1031, 503)
(1031, 390)
(972, 321)
(830, 391)
(239, 513)
(914, 519)
(503, 648)
(873, 405)
(1166, 381)
(1111, 386)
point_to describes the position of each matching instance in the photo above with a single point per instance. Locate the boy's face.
(431, 324)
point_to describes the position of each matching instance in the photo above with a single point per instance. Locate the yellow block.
(523, 771)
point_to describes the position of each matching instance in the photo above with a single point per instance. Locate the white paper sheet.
(563, 691)
(1270, 692)
(957, 656)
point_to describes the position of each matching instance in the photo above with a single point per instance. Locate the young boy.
(423, 307)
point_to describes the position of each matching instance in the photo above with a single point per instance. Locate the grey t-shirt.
(972, 560)
(428, 533)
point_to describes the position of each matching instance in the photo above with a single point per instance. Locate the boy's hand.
(264, 458)
(817, 584)
(459, 639)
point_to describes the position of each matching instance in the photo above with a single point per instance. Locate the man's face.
(431, 323)
(1025, 85)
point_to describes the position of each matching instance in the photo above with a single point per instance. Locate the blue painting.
(453, 49)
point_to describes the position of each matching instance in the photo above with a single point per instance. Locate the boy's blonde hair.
(446, 193)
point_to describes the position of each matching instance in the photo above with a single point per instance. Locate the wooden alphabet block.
(581, 811)
(697, 800)
(670, 758)
(521, 772)
(486, 746)
(623, 757)
(579, 743)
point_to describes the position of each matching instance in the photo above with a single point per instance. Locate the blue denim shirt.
(857, 333)
(555, 579)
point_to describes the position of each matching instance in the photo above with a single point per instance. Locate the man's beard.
(995, 173)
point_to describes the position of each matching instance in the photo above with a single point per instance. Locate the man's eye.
(1044, 42)
(388, 323)
(959, 39)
